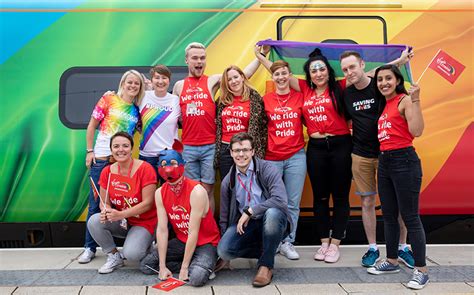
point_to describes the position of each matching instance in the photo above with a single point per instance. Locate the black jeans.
(226, 160)
(399, 182)
(329, 169)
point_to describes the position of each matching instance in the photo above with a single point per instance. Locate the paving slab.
(311, 289)
(21, 259)
(4, 290)
(66, 290)
(376, 288)
(451, 254)
(446, 288)
(245, 290)
(183, 290)
(113, 290)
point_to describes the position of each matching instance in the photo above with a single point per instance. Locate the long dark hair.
(400, 88)
(335, 90)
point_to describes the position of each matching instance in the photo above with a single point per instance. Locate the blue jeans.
(200, 162)
(153, 161)
(294, 175)
(260, 239)
(94, 208)
(399, 184)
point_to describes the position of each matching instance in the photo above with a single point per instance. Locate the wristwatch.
(246, 211)
(89, 150)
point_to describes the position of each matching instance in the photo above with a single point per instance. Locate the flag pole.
(426, 68)
(107, 192)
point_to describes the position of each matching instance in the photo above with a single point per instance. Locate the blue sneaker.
(419, 280)
(383, 268)
(406, 256)
(370, 257)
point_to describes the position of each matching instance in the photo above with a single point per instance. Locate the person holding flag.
(127, 210)
(184, 204)
(399, 171)
(112, 113)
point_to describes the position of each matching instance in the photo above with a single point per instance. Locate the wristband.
(413, 101)
(89, 150)
(263, 54)
(246, 211)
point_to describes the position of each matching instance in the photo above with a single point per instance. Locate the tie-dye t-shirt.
(114, 115)
(160, 117)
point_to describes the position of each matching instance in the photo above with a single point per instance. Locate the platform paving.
(56, 271)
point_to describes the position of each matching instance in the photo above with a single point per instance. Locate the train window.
(81, 87)
(339, 29)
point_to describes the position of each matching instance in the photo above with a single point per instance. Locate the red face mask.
(171, 173)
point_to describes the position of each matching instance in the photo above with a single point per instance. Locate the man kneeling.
(184, 203)
(254, 215)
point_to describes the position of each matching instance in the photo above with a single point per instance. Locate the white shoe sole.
(109, 270)
(417, 287)
(378, 272)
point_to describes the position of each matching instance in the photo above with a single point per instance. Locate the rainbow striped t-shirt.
(114, 115)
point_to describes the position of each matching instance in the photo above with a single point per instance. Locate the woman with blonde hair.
(112, 113)
(239, 109)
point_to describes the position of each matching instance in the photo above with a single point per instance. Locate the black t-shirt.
(363, 108)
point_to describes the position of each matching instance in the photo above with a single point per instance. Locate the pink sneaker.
(332, 254)
(321, 253)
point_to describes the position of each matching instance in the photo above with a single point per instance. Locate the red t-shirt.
(393, 128)
(178, 209)
(145, 175)
(319, 112)
(198, 111)
(235, 118)
(285, 126)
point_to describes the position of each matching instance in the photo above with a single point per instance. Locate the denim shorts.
(200, 162)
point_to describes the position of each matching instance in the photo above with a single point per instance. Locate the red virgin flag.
(446, 66)
(122, 185)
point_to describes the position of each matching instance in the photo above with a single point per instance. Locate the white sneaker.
(113, 262)
(288, 250)
(86, 256)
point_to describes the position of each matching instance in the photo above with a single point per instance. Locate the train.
(58, 57)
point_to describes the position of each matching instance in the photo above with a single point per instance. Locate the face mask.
(168, 171)
(171, 173)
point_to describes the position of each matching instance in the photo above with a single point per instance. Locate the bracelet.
(413, 101)
(263, 54)
(89, 150)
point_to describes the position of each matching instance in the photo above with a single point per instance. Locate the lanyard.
(128, 174)
(249, 191)
(129, 169)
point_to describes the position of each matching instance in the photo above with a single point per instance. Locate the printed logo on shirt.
(365, 104)
(159, 108)
(285, 126)
(317, 110)
(384, 126)
(180, 216)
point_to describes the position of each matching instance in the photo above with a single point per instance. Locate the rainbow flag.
(296, 54)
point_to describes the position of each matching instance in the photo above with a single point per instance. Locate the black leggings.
(329, 170)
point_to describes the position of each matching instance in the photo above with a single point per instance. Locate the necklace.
(177, 187)
(282, 102)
